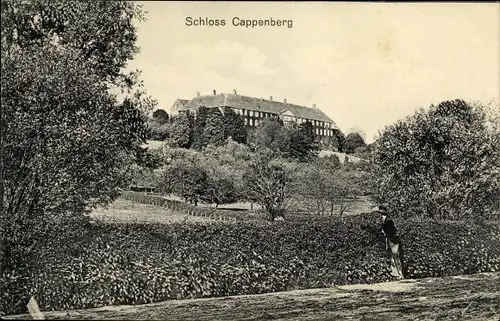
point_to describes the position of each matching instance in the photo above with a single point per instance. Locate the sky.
(365, 65)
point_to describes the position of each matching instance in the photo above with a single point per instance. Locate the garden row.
(113, 264)
(216, 214)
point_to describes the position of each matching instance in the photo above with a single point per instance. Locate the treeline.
(213, 127)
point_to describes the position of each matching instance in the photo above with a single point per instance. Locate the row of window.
(253, 113)
(315, 123)
(323, 129)
(318, 131)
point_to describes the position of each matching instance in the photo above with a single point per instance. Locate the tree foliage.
(199, 141)
(270, 134)
(157, 129)
(161, 116)
(234, 126)
(181, 131)
(443, 162)
(101, 32)
(303, 145)
(68, 143)
(185, 178)
(221, 185)
(266, 182)
(353, 141)
(339, 140)
(213, 132)
(325, 186)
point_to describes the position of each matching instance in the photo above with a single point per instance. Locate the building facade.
(254, 110)
(178, 106)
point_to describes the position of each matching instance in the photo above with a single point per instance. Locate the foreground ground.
(474, 297)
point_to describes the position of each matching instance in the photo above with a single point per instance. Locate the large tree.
(161, 116)
(353, 141)
(181, 131)
(303, 144)
(187, 178)
(267, 183)
(213, 133)
(443, 163)
(270, 134)
(234, 126)
(68, 142)
(200, 121)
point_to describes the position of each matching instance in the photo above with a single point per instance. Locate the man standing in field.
(392, 240)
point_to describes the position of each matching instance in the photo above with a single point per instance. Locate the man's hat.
(382, 209)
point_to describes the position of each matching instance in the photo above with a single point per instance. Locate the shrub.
(443, 162)
(109, 264)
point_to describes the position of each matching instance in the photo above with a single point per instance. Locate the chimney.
(284, 100)
(234, 92)
(314, 106)
(271, 98)
(215, 92)
(198, 94)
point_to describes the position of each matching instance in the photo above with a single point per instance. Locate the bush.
(110, 264)
(442, 163)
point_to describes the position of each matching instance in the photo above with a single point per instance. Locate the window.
(246, 121)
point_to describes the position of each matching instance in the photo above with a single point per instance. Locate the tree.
(339, 140)
(161, 116)
(186, 178)
(234, 126)
(102, 32)
(199, 141)
(158, 131)
(213, 133)
(303, 142)
(68, 143)
(442, 163)
(326, 187)
(221, 187)
(266, 183)
(354, 141)
(270, 134)
(181, 131)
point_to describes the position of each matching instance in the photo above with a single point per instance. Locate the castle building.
(255, 109)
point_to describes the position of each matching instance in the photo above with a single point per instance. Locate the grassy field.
(154, 144)
(128, 211)
(123, 210)
(473, 297)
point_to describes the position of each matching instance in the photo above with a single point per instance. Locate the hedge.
(130, 263)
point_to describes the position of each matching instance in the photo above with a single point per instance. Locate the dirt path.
(474, 297)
